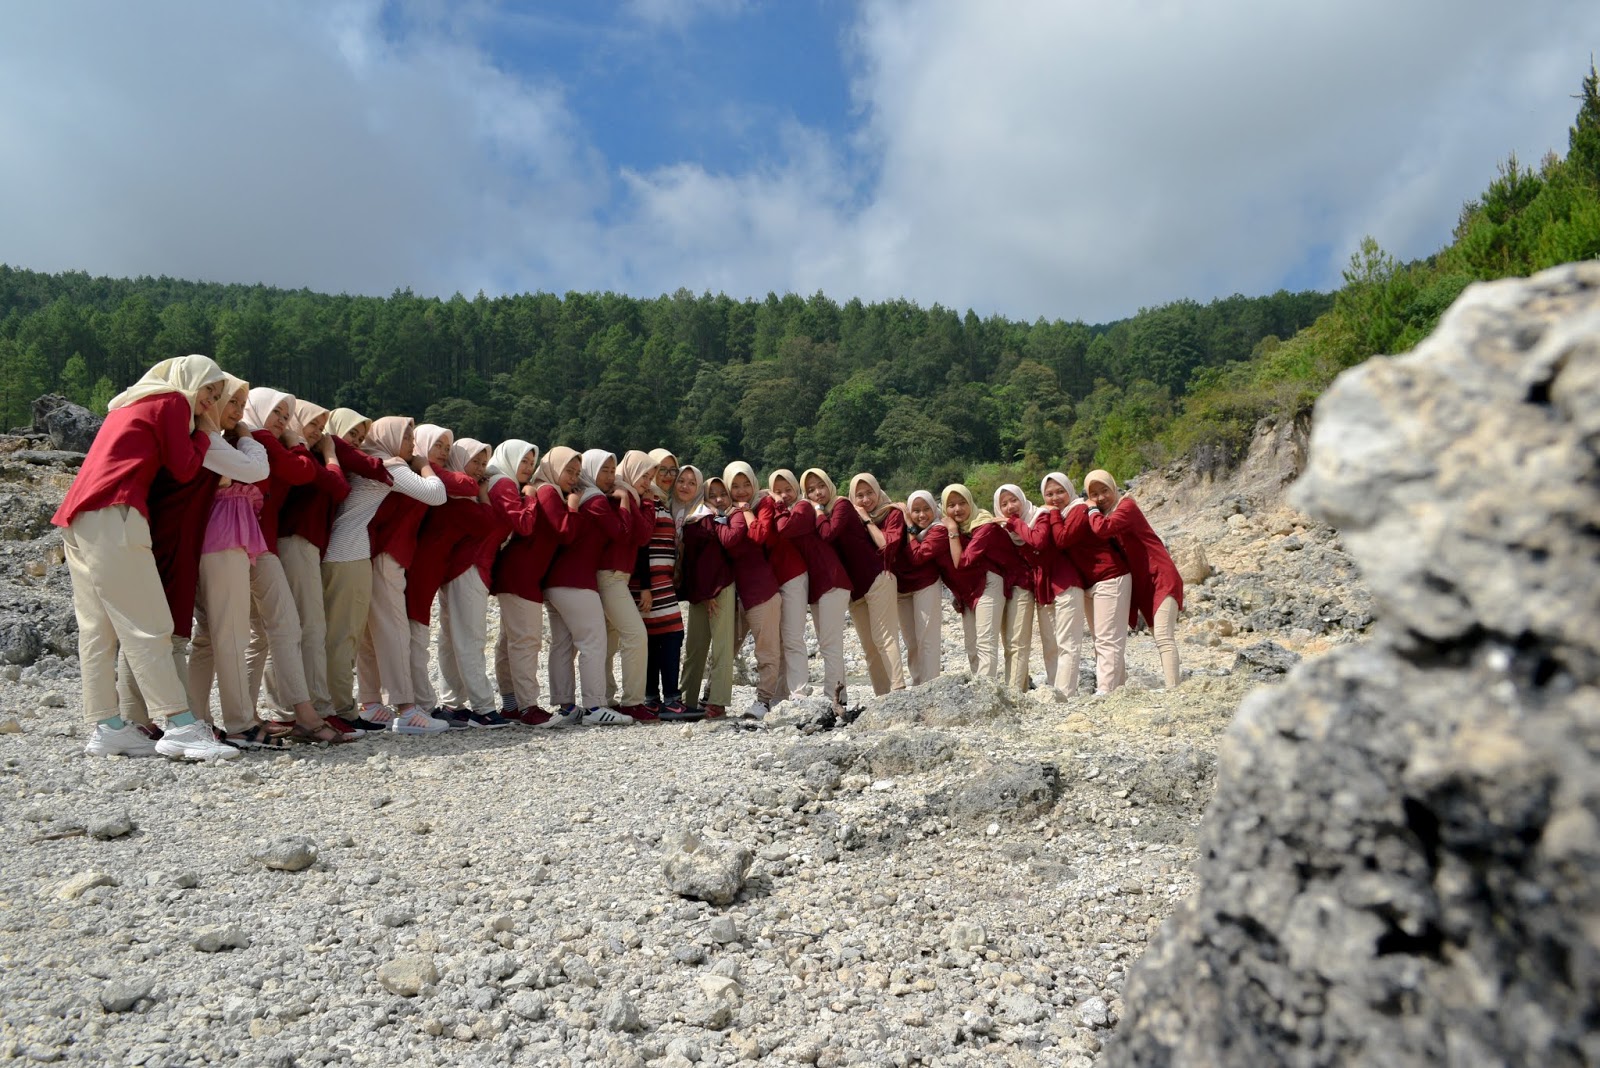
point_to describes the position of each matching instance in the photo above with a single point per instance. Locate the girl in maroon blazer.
(1157, 587)
(1108, 591)
(923, 555)
(1060, 592)
(1020, 516)
(464, 593)
(826, 581)
(760, 602)
(991, 563)
(794, 593)
(871, 547)
(709, 539)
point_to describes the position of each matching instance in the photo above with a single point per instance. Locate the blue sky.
(1056, 158)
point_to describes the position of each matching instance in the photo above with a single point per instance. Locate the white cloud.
(1054, 157)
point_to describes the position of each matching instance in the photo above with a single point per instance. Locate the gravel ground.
(962, 876)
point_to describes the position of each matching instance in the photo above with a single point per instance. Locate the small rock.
(10, 726)
(706, 874)
(294, 853)
(215, 939)
(81, 883)
(407, 975)
(107, 827)
(620, 1014)
(963, 936)
(716, 987)
(121, 995)
(52, 699)
(579, 972)
(723, 930)
(528, 1005)
(1093, 1012)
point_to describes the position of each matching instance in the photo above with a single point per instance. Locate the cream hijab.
(462, 452)
(739, 467)
(938, 513)
(385, 438)
(343, 420)
(231, 388)
(976, 517)
(304, 414)
(682, 510)
(548, 473)
(881, 502)
(633, 466)
(1030, 511)
(427, 436)
(1102, 477)
(658, 457)
(1059, 479)
(593, 461)
(260, 405)
(703, 506)
(833, 491)
(788, 476)
(181, 374)
(508, 457)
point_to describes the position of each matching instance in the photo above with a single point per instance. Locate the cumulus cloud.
(1054, 157)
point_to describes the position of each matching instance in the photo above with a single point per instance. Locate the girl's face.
(313, 430)
(356, 434)
(783, 489)
(208, 396)
(440, 451)
(1010, 507)
(921, 512)
(957, 508)
(569, 474)
(478, 466)
(233, 411)
(1055, 496)
(278, 421)
(686, 486)
(667, 474)
(1101, 496)
(606, 478)
(863, 496)
(645, 481)
(741, 490)
(717, 494)
(816, 492)
(408, 443)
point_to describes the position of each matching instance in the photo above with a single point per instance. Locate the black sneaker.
(455, 720)
(486, 720)
(363, 725)
(677, 711)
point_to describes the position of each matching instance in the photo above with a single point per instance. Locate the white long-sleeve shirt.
(349, 539)
(243, 462)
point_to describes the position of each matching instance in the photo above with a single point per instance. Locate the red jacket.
(133, 444)
(623, 552)
(751, 572)
(394, 528)
(990, 549)
(308, 511)
(964, 583)
(785, 561)
(1097, 559)
(540, 528)
(1053, 570)
(290, 468)
(445, 529)
(921, 561)
(600, 522)
(1155, 576)
(707, 570)
(798, 525)
(179, 512)
(846, 531)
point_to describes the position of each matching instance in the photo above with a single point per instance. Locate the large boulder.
(71, 427)
(1402, 862)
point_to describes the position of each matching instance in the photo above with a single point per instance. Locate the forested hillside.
(918, 395)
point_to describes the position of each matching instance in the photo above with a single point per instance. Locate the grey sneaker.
(607, 717)
(758, 710)
(564, 717)
(128, 740)
(194, 741)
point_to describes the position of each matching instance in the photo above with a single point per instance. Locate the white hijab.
(181, 374)
(593, 461)
(938, 513)
(1030, 511)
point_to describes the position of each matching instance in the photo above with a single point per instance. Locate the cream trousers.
(708, 650)
(1018, 626)
(1106, 605)
(577, 629)
(516, 653)
(346, 602)
(130, 701)
(275, 629)
(877, 621)
(764, 624)
(919, 626)
(383, 660)
(221, 638)
(463, 634)
(120, 605)
(796, 670)
(625, 634)
(1061, 635)
(827, 617)
(989, 622)
(1165, 629)
(302, 569)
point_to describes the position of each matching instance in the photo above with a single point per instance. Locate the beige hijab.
(305, 413)
(548, 473)
(181, 374)
(976, 517)
(788, 476)
(343, 420)
(263, 401)
(462, 451)
(739, 467)
(833, 491)
(427, 436)
(1102, 477)
(881, 502)
(682, 510)
(633, 466)
(385, 438)
(658, 457)
(231, 388)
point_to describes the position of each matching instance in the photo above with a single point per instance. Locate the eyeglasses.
(670, 471)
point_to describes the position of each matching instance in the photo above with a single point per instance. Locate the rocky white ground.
(961, 877)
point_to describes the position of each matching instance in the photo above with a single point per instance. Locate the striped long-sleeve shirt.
(657, 567)
(350, 540)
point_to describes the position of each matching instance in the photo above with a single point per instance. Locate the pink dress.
(234, 523)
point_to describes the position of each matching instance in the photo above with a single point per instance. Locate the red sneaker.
(642, 713)
(339, 725)
(713, 711)
(532, 716)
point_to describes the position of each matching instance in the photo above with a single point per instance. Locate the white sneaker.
(564, 717)
(758, 710)
(417, 721)
(127, 740)
(382, 715)
(194, 741)
(607, 717)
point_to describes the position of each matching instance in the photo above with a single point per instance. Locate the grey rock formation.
(1265, 661)
(71, 427)
(1402, 863)
(696, 870)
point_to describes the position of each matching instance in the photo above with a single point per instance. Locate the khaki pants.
(969, 634)
(989, 619)
(383, 660)
(421, 682)
(1061, 635)
(516, 654)
(130, 700)
(763, 623)
(919, 626)
(577, 628)
(463, 631)
(274, 628)
(625, 634)
(1165, 629)
(827, 617)
(346, 602)
(708, 650)
(877, 622)
(120, 605)
(1018, 626)
(796, 668)
(221, 638)
(1107, 607)
(302, 570)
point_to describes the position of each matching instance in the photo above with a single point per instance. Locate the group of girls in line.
(223, 538)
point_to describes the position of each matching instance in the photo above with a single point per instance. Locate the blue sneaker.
(452, 718)
(486, 720)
